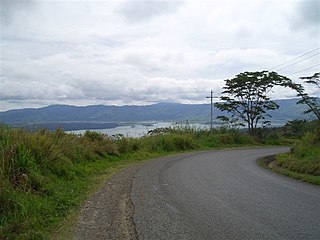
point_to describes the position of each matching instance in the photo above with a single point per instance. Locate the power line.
(305, 69)
(294, 58)
(298, 62)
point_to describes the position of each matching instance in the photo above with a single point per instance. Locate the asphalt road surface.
(222, 195)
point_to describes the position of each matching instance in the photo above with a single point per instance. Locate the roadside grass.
(270, 163)
(46, 176)
(303, 161)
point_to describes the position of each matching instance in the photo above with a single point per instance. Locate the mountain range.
(101, 116)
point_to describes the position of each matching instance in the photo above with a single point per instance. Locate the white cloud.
(138, 52)
(137, 11)
(308, 15)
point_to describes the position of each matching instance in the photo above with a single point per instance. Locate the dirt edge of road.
(108, 214)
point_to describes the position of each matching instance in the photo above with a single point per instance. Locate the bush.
(305, 155)
(33, 168)
(43, 174)
(169, 142)
(127, 145)
(220, 139)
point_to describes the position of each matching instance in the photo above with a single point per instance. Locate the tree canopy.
(245, 98)
(313, 103)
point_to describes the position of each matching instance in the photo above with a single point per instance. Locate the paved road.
(222, 195)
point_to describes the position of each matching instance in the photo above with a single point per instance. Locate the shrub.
(43, 174)
(33, 167)
(169, 142)
(305, 155)
(127, 145)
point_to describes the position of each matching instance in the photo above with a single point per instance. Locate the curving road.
(222, 195)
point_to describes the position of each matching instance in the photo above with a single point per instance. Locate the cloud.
(308, 14)
(139, 52)
(140, 11)
(11, 8)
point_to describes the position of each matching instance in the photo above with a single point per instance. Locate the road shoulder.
(108, 213)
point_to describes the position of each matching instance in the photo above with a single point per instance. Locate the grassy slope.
(303, 162)
(45, 176)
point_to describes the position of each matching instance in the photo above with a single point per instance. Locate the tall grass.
(33, 167)
(304, 157)
(189, 137)
(43, 175)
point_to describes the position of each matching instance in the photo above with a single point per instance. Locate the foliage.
(44, 174)
(169, 143)
(127, 145)
(286, 135)
(295, 128)
(303, 162)
(190, 137)
(314, 79)
(312, 102)
(245, 98)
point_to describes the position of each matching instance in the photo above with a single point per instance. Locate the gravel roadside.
(109, 213)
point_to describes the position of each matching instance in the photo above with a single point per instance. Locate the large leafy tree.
(245, 98)
(313, 103)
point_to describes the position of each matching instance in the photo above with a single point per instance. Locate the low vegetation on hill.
(303, 162)
(46, 175)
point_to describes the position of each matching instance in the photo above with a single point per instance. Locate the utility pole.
(211, 97)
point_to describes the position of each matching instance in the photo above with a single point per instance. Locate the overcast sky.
(143, 52)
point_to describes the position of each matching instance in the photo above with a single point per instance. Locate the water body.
(138, 129)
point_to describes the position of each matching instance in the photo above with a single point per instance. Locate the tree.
(245, 98)
(312, 102)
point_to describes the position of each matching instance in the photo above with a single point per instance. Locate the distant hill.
(99, 114)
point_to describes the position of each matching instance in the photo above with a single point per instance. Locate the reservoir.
(139, 129)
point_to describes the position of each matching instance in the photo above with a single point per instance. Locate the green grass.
(270, 163)
(303, 162)
(42, 176)
(45, 176)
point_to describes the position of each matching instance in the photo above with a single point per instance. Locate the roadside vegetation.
(46, 175)
(303, 162)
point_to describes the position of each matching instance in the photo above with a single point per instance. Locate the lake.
(138, 129)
